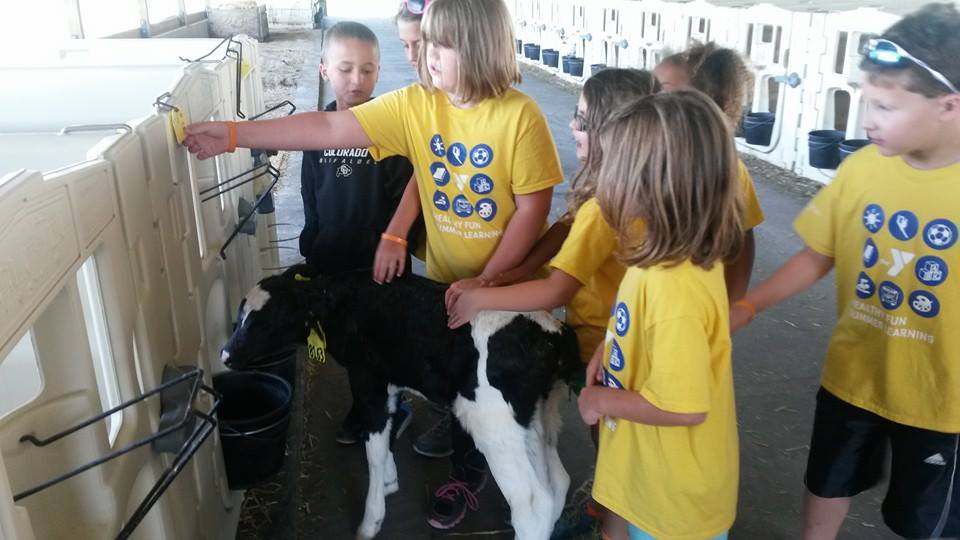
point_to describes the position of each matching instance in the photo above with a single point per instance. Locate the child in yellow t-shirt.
(667, 466)
(721, 74)
(888, 225)
(482, 152)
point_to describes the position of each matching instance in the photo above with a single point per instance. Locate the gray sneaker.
(435, 442)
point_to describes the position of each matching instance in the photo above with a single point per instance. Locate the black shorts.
(848, 453)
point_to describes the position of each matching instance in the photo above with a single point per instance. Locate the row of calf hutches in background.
(804, 65)
(120, 254)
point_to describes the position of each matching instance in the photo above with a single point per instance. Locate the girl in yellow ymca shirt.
(661, 386)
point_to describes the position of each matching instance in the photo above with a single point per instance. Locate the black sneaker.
(436, 442)
(451, 500)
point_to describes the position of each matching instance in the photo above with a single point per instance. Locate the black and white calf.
(504, 375)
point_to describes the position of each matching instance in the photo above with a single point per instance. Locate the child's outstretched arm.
(596, 401)
(544, 250)
(737, 274)
(518, 237)
(554, 291)
(304, 131)
(796, 275)
(391, 256)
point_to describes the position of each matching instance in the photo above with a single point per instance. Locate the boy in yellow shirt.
(888, 225)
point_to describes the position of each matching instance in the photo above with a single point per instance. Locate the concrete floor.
(777, 365)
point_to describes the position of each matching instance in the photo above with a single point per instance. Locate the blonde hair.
(481, 32)
(602, 93)
(669, 161)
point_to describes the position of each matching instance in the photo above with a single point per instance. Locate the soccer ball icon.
(939, 235)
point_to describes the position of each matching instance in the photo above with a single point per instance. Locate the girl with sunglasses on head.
(483, 155)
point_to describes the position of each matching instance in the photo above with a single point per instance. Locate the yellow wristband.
(392, 238)
(747, 305)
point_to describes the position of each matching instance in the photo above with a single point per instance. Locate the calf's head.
(278, 314)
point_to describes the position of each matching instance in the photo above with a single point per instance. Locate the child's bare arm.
(737, 274)
(598, 401)
(391, 256)
(554, 291)
(796, 275)
(305, 131)
(544, 250)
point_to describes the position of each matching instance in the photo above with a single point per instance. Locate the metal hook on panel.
(220, 192)
(161, 103)
(66, 130)
(272, 171)
(237, 54)
(293, 109)
(792, 80)
(208, 54)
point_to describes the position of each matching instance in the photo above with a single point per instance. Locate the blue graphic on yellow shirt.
(610, 381)
(890, 295)
(931, 271)
(622, 315)
(870, 253)
(481, 156)
(441, 201)
(940, 234)
(865, 286)
(924, 304)
(439, 173)
(481, 184)
(487, 209)
(903, 225)
(457, 154)
(436, 146)
(873, 217)
(617, 361)
(462, 206)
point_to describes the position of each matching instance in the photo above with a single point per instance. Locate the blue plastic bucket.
(532, 50)
(551, 57)
(519, 46)
(597, 67)
(824, 148)
(576, 67)
(850, 146)
(758, 127)
(565, 64)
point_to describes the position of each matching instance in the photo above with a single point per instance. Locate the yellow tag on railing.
(245, 68)
(178, 122)
(317, 346)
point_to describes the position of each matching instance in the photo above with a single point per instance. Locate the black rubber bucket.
(254, 416)
(519, 46)
(565, 64)
(576, 67)
(532, 51)
(594, 68)
(282, 364)
(850, 146)
(824, 148)
(551, 57)
(758, 127)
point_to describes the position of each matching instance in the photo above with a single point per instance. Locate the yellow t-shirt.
(669, 340)
(587, 255)
(892, 231)
(470, 163)
(752, 213)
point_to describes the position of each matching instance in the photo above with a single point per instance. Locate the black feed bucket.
(551, 57)
(519, 46)
(594, 68)
(850, 146)
(576, 67)
(565, 63)
(282, 364)
(254, 416)
(824, 151)
(758, 127)
(532, 51)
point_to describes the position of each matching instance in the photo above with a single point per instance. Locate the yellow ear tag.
(317, 346)
(245, 68)
(178, 123)
(300, 277)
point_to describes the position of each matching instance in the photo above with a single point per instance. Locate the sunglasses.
(884, 52)
(416, 7)
(579, 121)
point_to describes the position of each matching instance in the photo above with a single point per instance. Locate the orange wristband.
(231, 136)
(392, 238)
(748, 305)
